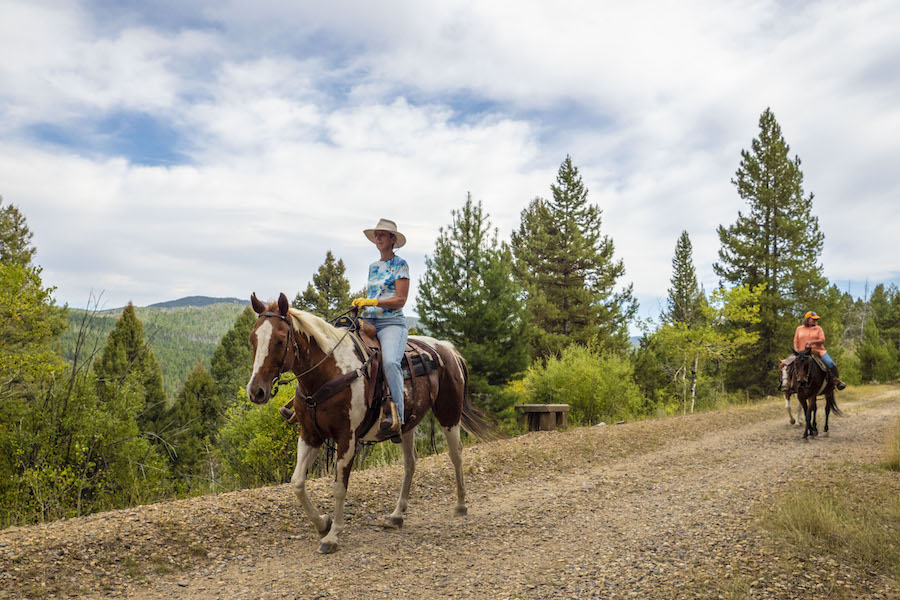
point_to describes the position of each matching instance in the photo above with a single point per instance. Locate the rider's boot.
(287, 411)
(391, 424)
(837, 381)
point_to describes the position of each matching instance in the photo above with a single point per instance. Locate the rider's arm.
(820, 339)
(401, 287)
(797, 340)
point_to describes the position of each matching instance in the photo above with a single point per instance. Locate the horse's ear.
(258, 306)
(283, 305)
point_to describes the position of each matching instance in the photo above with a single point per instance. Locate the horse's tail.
(474, 421)
(834, 406)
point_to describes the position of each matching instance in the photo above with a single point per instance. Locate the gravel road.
(662, 508)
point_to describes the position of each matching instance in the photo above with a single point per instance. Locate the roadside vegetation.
(848, 512)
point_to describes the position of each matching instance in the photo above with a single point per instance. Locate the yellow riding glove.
(363, 302)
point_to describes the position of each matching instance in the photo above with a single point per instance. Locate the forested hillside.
(179, 336)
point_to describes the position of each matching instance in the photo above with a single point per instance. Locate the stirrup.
(839, 384)
(391, 424)
(288, 413)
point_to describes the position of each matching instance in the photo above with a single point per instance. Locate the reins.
(277, 380)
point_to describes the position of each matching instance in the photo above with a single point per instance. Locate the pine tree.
(685, 298)
(777, 243)
(15, 237)
(568, 271)
(128, 360)
(469, 297)
(884, 307)
(329, 293)
(63, 451)
(232, 360)
(878, 360)
(195, 418)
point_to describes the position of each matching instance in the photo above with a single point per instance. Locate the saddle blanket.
(419, 366)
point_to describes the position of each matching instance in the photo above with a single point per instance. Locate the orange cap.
(810, 315)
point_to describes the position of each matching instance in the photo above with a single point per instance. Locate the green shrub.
(597, 386)
(258, 447)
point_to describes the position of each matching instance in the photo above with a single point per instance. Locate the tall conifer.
(568, 270)
(685, 298)
(15, 237)
(196, 415)
(468, 296)
(127, 358)
(233, 358)
(776, 243)
(328, 295)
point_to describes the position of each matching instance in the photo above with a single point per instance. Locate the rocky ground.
(663, 508)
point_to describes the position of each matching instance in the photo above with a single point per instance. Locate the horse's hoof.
(792, 421)
(327, 547)
(461, 511)
(328, 523)
(396, 522)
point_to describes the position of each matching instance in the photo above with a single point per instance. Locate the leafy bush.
(597, 386)
(258, 447)
(67, 453)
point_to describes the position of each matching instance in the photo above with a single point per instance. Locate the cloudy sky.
(164, 149)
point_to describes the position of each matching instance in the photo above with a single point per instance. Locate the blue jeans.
(829, 362)
(392, 333)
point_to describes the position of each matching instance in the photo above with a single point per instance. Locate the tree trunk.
(694, 383)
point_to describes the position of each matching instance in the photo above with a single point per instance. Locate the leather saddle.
(419, 360)
(794, 377)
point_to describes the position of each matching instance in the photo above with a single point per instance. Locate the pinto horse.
(817, 382)
(789, 387)
(287, 340)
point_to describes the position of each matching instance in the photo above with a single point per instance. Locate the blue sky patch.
(139, 137)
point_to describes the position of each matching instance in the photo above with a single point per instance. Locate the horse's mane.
(325, 334)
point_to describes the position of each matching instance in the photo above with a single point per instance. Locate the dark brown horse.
(813, 382)
(288, 340)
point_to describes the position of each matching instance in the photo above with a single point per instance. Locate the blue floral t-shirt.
(383, 276)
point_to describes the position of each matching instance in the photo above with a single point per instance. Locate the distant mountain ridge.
(181, 332)
(198, 301)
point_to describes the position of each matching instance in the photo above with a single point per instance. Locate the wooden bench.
(543, 417)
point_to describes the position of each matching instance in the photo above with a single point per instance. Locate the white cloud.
(304, 125)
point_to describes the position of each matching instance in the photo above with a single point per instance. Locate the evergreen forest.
(108, 409)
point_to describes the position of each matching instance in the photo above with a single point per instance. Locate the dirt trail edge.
(663, 508)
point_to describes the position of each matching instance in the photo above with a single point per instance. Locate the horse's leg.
(455, 450)
(787, 405)
(805, 407)
(306, 456)
(409, 467)
(813, 409)
(342, 468)
(829, 401)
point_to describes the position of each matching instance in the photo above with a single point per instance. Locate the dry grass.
(892, 448)
(854, 518)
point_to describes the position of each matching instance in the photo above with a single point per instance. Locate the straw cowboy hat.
(390, 227)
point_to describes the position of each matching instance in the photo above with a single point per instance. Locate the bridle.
(277, 381)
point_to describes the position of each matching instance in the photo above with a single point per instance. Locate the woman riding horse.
(810, 335)
(386, 294)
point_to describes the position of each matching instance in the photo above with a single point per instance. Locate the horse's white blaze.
(263, 337)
